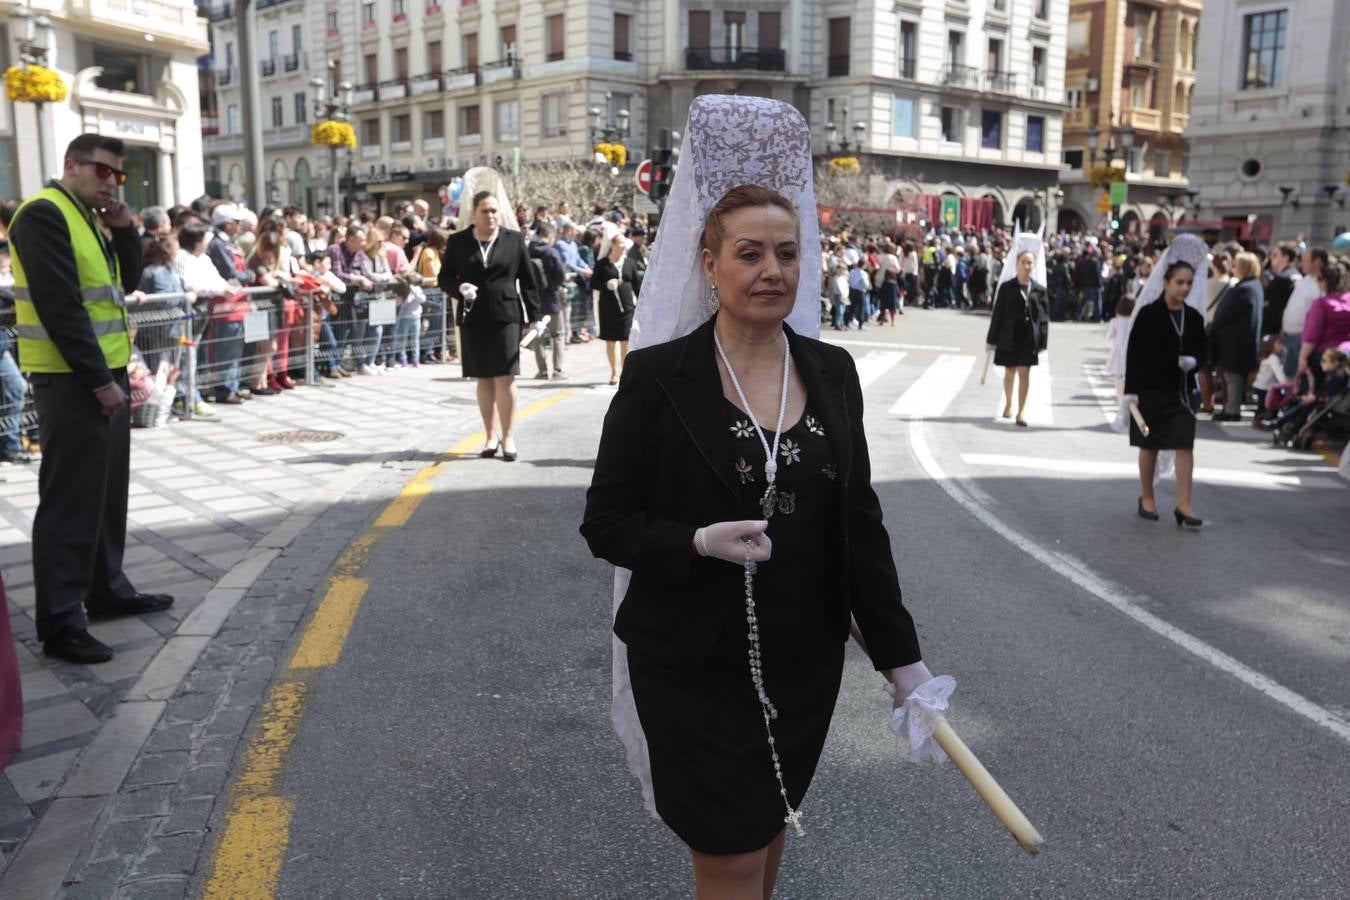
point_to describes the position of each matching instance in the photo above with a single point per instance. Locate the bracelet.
(701, 540)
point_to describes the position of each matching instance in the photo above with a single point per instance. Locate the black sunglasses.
(105, 171)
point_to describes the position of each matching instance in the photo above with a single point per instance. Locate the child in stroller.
(1311, 407)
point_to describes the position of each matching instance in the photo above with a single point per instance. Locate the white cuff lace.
(914, 721)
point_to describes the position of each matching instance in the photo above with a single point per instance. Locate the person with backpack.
(550, 272)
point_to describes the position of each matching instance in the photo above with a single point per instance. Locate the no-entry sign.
(644, 176)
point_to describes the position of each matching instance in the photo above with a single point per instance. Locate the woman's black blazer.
(1235, 333)
(498, 300)
(663, 470)
(1012, 326)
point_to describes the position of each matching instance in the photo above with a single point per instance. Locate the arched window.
(1180, 107)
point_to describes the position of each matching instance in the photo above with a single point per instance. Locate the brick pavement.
(241, 532)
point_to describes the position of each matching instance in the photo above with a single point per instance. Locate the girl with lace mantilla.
(731, 470)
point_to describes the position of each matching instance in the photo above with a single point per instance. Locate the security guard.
(71, 316)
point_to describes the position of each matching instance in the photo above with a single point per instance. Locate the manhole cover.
(299, 437)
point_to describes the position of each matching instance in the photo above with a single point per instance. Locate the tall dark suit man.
(74, 341)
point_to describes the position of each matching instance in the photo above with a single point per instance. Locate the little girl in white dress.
(1118, 333)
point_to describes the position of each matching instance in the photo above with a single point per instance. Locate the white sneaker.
(368, 370)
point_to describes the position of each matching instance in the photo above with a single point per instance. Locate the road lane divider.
(1122, 600)
(256, 826)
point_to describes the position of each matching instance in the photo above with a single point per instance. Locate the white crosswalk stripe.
(1103, 387)
(1085, 468)
(934, 390)
(876, 364)
(1040, 406)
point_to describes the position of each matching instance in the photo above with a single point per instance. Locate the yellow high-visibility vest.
(100, 288)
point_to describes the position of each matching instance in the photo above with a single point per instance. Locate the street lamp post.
(333, 105)
(832, 132)
(607, 131)
(33, 52)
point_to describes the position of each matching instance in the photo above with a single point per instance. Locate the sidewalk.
(214, 502)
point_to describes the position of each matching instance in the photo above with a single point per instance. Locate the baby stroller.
(1331, 419)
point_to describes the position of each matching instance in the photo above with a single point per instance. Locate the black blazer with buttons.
(663, 470)
(506, 281)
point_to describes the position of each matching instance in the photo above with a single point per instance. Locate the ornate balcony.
(1001, 82)
(461, 78)
(732, 58)
(1142, 119)
(961, 76)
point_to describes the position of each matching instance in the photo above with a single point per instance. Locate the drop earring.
(714, 301)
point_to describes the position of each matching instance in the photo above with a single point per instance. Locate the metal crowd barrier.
(218, 344)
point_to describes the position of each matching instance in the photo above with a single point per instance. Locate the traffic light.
(662, 173)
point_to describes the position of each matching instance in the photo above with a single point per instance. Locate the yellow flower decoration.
(614, 154)
(845, 165)
(333, 134)
(1103, 176)
(34, 84)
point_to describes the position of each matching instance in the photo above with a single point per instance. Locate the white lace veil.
(1185, 248)
(1021, 244)
(485, 178)
(729, 141)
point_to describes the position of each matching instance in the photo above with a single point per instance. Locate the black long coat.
(663, 470)
(1235, 333)
(1019, 329)
(506, 282)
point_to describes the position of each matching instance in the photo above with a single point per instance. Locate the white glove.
(915, 720)
(612, 284)
(1127, 399)
(1186, 363)
(468, 291)
(727, 541)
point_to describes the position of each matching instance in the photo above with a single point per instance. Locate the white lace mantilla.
(729, 141)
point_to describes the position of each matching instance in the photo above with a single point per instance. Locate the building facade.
(1130, 77)
(1269, 153)
(132, 73)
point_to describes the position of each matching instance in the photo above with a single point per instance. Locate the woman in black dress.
(615, 280)
(682, 496)
(1166, 342)
(1018, 332)
(487, 268)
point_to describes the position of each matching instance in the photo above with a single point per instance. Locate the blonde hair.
(374, 238)
(1246, 265)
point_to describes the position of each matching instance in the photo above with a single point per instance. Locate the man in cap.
(75, 342)
(224, 251)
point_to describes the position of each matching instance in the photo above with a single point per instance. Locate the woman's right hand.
(612, 284)
(728, 541)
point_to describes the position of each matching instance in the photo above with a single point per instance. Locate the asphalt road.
(1150, 697)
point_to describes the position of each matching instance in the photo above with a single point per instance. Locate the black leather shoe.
(1145, 514)
(135, 605)
(79, 647)
(1185, 521)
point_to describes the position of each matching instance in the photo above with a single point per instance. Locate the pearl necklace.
(767, 709)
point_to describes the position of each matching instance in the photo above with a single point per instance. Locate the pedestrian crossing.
(1040, 407)
(876, 364)
(933, 391)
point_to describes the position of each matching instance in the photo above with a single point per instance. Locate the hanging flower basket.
(845, 165)
(1103, 176)
(34, 84)
(614, 154)
(333, 134)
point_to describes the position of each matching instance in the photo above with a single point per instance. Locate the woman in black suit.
(1235, 335)
(618, 303)
(1166, 342)
(487, 268)
(682, 496)
(1018, 332)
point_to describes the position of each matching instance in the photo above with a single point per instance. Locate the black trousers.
(80, 529)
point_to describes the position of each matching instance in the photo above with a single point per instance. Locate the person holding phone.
(75, 343)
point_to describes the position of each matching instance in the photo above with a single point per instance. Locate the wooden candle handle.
(988, 357)
(1139, 419)
(998, 800)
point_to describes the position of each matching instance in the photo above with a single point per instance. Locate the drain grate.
(299, 437)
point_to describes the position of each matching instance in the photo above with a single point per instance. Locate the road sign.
(644, 176)
(1119, 192)
(1104, 203)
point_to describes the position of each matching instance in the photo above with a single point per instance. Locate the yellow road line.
(1328, 454)
(247, 861)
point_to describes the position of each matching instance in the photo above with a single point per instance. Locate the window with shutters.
(554, 117)
(433, 56)
(469, 124)
(433, 124)
(301, 105)
(623, 37)
(909, 43)
(370, 132)
(372, 63)
(471, 50)
(507, 113)
(277, 114)
(508, 50)
(401, 129)
(401, 63)
(700, 30)
(553, 37)
(770, 31)
(840, 39)
(951, 124)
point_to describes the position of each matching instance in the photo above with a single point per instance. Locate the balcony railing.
(265, 4)
(755, 60)
(623, 55)
(1077, 117)
(371, 151)
(291, 61)
(836, 66)
(222, 12)
(269, 67)
(365, 93)
(1142, 118)
(463, 77)
(400, 146)
(428, 83)
(394, 89)
(502, 70)
(1179, 121)
(961, 76)
(225, 77)
(1002, 82)
(210, 125)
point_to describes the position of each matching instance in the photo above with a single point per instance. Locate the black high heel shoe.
(509, 455)
(1145, 514)
(489, 452)
(1186, 521)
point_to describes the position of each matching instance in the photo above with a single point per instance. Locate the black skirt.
(491, 350)
(615, 321)
(1171, 424)
(1023, 354)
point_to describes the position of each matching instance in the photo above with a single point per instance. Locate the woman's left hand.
(1186, 363)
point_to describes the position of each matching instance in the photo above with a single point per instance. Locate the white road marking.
(1118, 598)
(1040, 407)
(875, 364)
(1091, 469)
(846, 342)
(1103, 387)
(936, 388)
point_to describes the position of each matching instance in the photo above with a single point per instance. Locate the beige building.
(131, 70)
(1129, 79)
